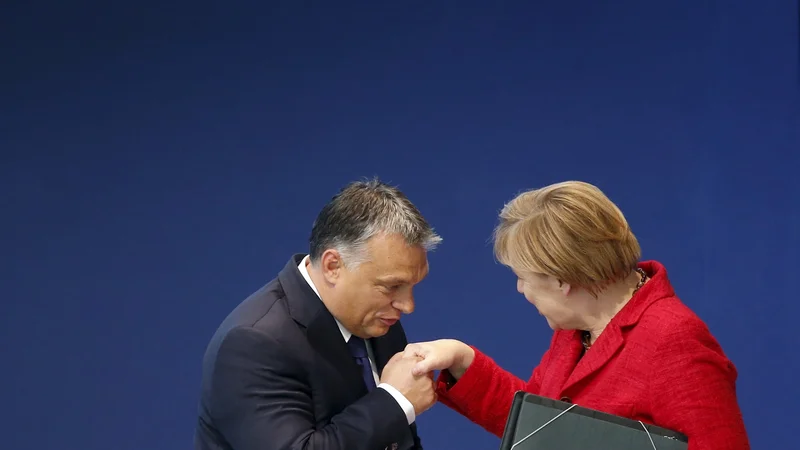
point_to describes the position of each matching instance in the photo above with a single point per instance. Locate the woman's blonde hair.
(568, 230)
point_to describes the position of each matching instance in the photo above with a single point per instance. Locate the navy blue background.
(161, 163)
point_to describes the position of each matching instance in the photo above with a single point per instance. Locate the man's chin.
(378, 329)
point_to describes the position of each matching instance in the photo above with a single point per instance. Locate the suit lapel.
(323, 334)
(563, 357)
(607, 345)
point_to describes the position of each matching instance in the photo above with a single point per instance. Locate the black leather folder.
(539, 423)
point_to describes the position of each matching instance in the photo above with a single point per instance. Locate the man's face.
(370, 298)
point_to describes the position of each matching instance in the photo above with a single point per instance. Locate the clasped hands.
(411, 371)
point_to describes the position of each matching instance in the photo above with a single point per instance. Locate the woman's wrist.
(464, 357)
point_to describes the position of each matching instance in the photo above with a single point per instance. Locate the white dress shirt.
(408, 408)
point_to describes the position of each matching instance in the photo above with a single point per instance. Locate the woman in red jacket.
(623, 342)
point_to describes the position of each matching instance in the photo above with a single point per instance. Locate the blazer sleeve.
(485, 392)
(693, 390)
(261, 402)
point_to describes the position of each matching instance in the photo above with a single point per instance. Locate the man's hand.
(418, 389)
(450, 354)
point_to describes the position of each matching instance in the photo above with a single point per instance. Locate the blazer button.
(566, 399)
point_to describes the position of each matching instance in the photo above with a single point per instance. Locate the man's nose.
(405, 303)
(520, 287)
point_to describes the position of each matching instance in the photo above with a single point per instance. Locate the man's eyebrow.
(392, 279)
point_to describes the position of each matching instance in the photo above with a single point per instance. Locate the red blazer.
(656, 362)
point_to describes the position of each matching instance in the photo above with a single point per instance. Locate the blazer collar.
(657, 288)
(612, 338)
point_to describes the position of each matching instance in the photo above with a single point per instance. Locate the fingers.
(418, 350)
(428, 358)
(400, 359)
(423, 367)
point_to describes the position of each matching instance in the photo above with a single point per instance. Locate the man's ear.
(331, 265)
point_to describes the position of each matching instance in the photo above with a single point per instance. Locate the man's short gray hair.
(362, 210)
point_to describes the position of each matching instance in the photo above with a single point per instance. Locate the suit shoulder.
(670, 322)
(262, 307)
(670, 312)
(264, 312)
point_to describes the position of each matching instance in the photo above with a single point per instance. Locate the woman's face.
(550, 298)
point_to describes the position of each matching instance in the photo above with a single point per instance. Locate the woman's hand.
(450, 354)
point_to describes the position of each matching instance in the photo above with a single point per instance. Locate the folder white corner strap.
(564, 412)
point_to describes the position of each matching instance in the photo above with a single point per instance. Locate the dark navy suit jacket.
(277, 375)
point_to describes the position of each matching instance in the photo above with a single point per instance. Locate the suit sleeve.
(693, 390)
(260, 401)
(415, 435)
(485, 392)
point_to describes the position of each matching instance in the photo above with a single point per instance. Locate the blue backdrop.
(159, 164)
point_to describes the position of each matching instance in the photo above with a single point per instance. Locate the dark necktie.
(358, 348)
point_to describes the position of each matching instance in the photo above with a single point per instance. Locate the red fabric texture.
(656, 361)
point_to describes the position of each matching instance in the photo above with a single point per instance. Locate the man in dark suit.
(313, 360)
